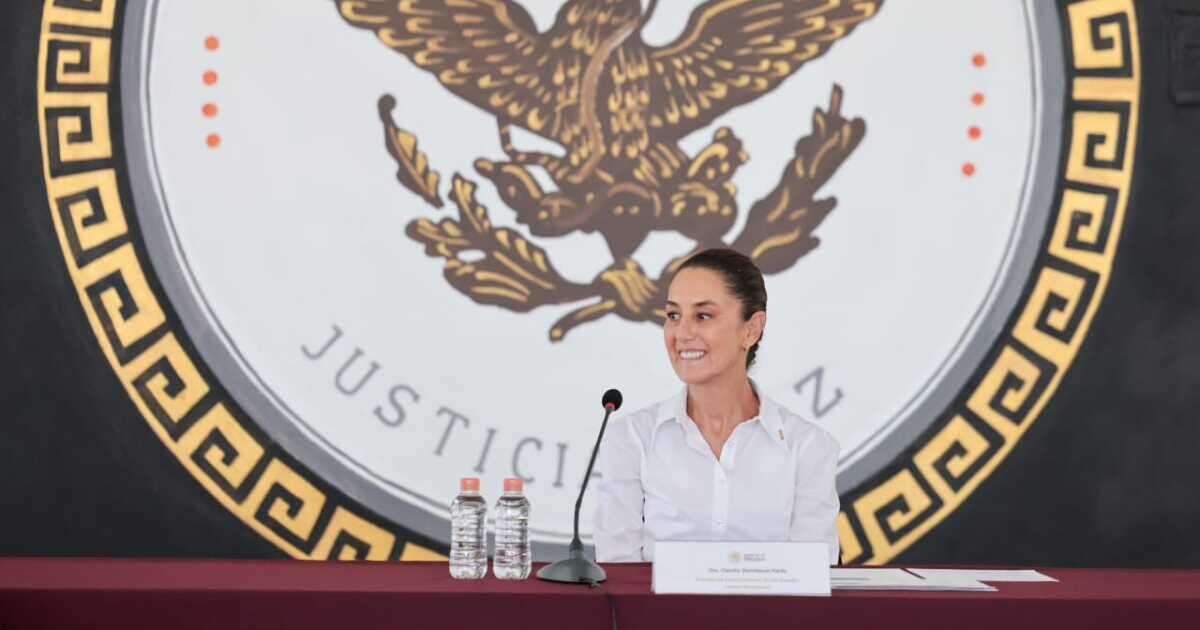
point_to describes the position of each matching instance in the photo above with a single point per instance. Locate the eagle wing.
(487, 52)
(733, 51)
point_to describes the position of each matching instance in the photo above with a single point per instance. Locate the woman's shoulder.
(804, 432)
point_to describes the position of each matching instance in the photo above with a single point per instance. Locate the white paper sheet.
(872, 579)
(867, 579)
(984, 575)
(969, 580)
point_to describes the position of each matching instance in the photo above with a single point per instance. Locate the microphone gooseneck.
(612, 402)
(576, 568)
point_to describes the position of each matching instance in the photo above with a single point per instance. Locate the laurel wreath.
(497, 266)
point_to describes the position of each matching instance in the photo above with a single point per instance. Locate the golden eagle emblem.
(618, 107)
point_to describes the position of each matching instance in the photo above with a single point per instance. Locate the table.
(187, 594)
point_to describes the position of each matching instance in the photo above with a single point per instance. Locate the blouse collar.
(769, 417)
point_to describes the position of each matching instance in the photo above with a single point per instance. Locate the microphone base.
(575, 569)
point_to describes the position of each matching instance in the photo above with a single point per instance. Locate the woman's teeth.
(691, 355)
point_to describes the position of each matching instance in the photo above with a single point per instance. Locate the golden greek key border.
(294, 509)
(188, 410)
(1018, 378)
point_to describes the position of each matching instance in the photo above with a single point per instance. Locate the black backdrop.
(1108, 476)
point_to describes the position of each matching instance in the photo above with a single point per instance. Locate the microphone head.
(611, 400)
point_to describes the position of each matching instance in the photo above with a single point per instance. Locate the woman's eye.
(672, 316)
(704, 316)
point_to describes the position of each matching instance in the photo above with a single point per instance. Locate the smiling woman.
(719, 461)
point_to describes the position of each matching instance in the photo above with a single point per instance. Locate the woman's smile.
(705, 332)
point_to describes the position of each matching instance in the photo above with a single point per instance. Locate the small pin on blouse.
(781, 434)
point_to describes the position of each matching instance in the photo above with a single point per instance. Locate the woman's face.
(705, 334)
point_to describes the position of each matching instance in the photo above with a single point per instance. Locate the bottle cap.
(468, 484)
(513, 484)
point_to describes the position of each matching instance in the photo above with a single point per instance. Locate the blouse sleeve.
(815, 507)
(618, 521)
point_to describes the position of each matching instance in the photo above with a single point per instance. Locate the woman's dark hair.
(742, 278)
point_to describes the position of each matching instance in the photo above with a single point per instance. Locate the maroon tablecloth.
(186, 594)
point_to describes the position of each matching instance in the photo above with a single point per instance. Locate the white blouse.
(774, 481)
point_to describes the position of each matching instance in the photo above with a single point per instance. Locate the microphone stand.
(577, 568)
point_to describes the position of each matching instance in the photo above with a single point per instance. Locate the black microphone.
(576, 568)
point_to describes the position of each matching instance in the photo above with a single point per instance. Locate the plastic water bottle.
(468, 534)
(513, 559)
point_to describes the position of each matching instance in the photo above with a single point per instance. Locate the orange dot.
(977, 98)
(210, 77)
(979, 60)
(968, 169)
(974, 132)
(213, 140)
(210, 109)
(211, 42)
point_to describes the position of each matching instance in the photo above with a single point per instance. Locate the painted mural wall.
(278, 273)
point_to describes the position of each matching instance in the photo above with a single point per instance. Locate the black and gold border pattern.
(1019, 376)
(78, 105)
(286, 503)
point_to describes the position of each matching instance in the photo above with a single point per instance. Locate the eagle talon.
(546, 214)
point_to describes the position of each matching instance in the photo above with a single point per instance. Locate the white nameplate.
(741, 568)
